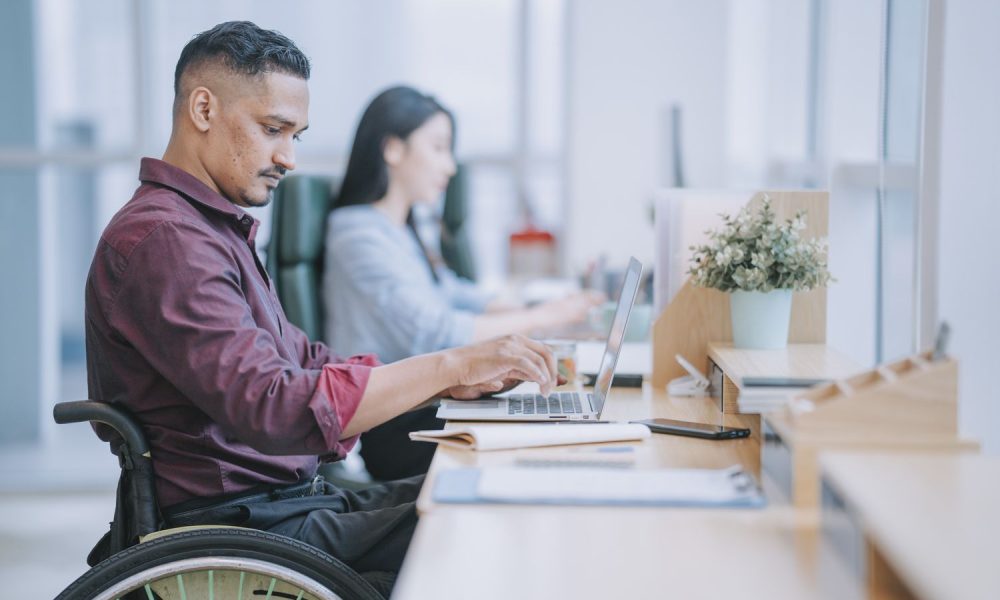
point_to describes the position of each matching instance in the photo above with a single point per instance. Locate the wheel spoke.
(180, 586)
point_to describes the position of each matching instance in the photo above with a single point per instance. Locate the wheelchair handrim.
(182, 567)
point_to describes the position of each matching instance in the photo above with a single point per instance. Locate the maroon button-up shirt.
(185, 330)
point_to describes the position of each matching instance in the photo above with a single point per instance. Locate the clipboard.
(568, 486)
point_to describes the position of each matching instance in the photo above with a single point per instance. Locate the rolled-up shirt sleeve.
(338, 394)
(188, 317)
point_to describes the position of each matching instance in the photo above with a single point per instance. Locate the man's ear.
(201, 108)
(393, 150)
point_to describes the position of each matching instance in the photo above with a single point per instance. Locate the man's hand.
(465, 373)
(497, 365)
(471, 392)
(490, 388)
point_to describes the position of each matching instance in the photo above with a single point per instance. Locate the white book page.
(507, 436)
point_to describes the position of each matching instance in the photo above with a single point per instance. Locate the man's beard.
(276, 171)
(254, 203)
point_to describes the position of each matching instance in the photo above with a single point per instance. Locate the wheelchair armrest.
(89, 410)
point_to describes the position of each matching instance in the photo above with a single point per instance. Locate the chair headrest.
(302, 203)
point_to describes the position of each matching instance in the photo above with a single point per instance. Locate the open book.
(508, 436)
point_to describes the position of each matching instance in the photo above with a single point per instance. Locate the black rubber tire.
(223, 542)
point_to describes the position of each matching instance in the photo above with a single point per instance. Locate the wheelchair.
(204, 562)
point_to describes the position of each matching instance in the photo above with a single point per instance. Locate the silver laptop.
(558, 406)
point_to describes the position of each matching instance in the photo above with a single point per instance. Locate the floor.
(45, 538)
(56, 498)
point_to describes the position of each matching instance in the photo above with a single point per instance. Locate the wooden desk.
(928, 522)
(506, 552)
(659, 451)
(484, 551)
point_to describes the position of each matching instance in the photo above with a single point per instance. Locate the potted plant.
(760, 262)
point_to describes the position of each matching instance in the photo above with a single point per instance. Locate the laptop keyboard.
(559, 403)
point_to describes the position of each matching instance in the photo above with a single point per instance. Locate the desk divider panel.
(697, 316)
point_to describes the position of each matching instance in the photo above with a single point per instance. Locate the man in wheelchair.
(184, 329)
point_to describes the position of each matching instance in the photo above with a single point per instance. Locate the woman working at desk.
(382, 292)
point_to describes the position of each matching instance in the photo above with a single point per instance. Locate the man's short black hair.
(244, 48)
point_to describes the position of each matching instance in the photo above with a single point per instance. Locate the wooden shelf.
(910, 404)
(807, 361)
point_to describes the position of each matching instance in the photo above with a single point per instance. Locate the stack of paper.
(758, 399)
(767, 394)
(730, 487)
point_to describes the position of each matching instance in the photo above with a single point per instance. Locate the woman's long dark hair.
(394, 112)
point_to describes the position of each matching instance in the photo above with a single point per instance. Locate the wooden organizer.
(910, 404)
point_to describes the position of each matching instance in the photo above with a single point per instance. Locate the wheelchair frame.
(144, 561)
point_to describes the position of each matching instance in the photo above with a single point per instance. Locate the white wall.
(460, 51)
(767, 95)
(968, 261)
(629, 61)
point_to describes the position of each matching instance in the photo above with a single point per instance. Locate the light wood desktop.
(495, 551)
(624, 404)
(928, 521)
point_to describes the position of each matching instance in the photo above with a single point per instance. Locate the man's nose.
(285, 156)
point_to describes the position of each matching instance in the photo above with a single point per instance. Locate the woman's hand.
(573, 308)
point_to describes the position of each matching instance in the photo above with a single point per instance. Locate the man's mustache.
(275, 172)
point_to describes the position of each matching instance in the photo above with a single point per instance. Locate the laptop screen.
(630, 286)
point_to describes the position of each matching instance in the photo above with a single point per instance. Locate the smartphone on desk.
(692, 429)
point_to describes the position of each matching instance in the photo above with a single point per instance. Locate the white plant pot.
(760, 319)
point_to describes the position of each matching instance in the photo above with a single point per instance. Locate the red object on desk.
(533, 253)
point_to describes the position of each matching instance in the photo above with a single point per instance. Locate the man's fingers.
(532, 369)
(548, 358)
(471, 392)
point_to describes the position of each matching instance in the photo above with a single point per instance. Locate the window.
(94, 94)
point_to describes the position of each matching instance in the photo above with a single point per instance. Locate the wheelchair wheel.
(221, 564)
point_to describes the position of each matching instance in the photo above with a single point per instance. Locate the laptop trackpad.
(477, 404)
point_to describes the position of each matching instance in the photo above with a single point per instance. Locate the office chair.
(295, 263)
(295, 252)
(138, 559)
(456, 247)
